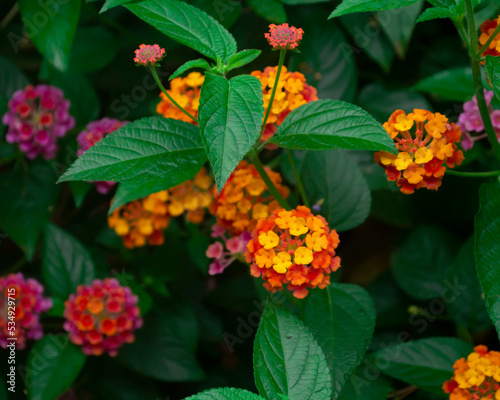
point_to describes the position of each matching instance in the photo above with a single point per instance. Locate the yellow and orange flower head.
(427, 146)
(476, 377)
(142, 221)
(293, 248)
(186, 92)
(192, 197)
(245, 199)
(487, 28)
(101, 317)
(291, 93)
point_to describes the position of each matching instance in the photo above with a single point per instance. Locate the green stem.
(459, 24)
(155, 75)
(273, 92)
(270, 185)
(300, 186)
(487, 43)
(476, 73)
(473, 174)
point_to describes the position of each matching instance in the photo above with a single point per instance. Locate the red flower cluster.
(148, 55)
(284, 37)
(102, 317)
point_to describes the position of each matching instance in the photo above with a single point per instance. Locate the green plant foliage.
(455, 84)
(225, 394)
(272, 10)
(493, 71)
(354, 6)
(242, 58)
(366, 383)
(199, 63)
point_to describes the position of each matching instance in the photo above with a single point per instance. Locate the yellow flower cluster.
(477, 377)
(186, 92)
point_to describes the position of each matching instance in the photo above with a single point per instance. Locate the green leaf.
(342, 319)
(132, 190)
(333, 178)
(332, 124)
(51, 26)
(297, 2)
(225, 394)
(353, 6)
(465, 303)
(199, 63)
(108, 4)
(165, 346)
(242, 58)
(422, 262)
(147, 149)
(52, 367)
(487, 246)
(26, 204)
(493, 72)
(329, 67)
(437, 12)
(366, 383)
(230, 115)
(187, 25)
(399, 24)
(66, 262)
(79, 191)
(11, 79)
(425, 363)
(272, 10)
(287, 358)
(454, 84)
(226, 12)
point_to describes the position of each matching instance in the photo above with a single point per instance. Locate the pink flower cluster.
(29, 304)
(224, 254)
(37, 116)
(102, 316)
(148, 55)
(470, 121)
(94, 132)
(284, 37)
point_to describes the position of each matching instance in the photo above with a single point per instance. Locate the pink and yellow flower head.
(424, 154)
(293, 248)
(476, 377)
(245, 199)
(93, 133)
(29, 304)
(142, 221)
(37, 117)
(101, 317)
(291, 93)
(149, 55)
(186, 92)
(226, 252)
(487, 28)
(284, 37)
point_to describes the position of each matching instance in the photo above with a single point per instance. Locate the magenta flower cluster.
(37, 116)
(226, 252)
(29, 304)
(471, 123)
(148, 55)
(94, 132)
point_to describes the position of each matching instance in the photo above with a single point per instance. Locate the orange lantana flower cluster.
(291, 93)
(245, 199)
(142, 221)
(487, 28)
(477, 377)
(186, 92)
(424, 154)
(294, 248)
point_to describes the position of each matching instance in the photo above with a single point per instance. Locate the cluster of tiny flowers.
(245, 199)
(226, 252)
(294, 248)
(102, 316)
(93, 133)
(186, 92)
(284, 37)
(149, 55)
(477, 377)
(29, 304)
(423, 156)
(37, 116)
(487, 28)
(192, 197)
(142, 221)
(292, 92)
(471, 123)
